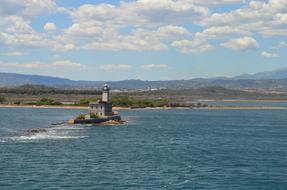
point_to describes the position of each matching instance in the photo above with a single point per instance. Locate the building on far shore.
(103, 108)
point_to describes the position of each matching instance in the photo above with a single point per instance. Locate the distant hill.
(273, 80)
(12, 79)
(276, 74)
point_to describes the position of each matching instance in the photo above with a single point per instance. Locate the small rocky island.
(101, 112)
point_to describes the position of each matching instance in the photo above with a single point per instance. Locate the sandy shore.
(33, 106)
(252, 100)
(150, 108)
(245, 108)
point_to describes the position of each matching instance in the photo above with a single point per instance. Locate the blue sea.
(155, 149)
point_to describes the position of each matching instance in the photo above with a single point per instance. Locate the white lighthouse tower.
(106, 94)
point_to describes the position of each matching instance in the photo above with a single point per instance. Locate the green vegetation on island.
(81, 116)
(41, 89)
(46, 102)
(127, 101)
(133, 102)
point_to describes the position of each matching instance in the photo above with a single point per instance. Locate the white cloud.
(140, 40)
(83, 30)
(16, 31)
(50, 26)
(270, 32)
(161, 12)
(196, 45)
(143, 25)
(31, 65)
(268, 55)
(281, 44)
(16, 23)
(60, 45)
(240, 44)
(171, 31)
(26, 8)
(217, 32)
(281, 18)
(266, 17)
(216, 2)
(32, 40)
(130, 43)
(66, 64)
(153, 25)
(155, 66)
(114, 67)
(100, 12)
(15, 53)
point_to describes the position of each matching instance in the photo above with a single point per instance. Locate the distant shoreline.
(238, 100)
(153, 108)
(46, 106)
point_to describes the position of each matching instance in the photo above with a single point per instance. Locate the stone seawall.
(95, 120)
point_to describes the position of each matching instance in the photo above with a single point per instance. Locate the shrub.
(126, 101)
(81, 116)
(92, 115)
(46, 101)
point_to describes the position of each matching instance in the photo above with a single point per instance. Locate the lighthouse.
(100, 111)
(106, 94)
(103, 108)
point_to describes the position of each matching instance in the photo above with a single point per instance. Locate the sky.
(142, 39)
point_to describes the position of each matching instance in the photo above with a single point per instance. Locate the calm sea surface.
(248, 103)
(156, 149)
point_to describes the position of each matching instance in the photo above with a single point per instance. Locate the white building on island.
(103, 108)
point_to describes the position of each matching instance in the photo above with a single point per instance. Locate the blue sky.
(142, 39)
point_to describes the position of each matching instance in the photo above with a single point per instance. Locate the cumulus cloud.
(268, 55)
(216, 2)
(217, 32)
(99, 26)
(16, 29)
(240, 44)
(100, 12)
(26, 8)
(255, 16)
(192, 46)
(143, 25)
(50, 26)
(163, 11)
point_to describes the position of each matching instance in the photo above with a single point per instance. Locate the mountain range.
(270, 80)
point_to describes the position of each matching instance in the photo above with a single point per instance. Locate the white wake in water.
(56, 132)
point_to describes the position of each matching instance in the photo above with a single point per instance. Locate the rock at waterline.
(101, 121)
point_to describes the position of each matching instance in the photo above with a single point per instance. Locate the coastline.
(230, 100)
(152, 108)
(46, 106)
